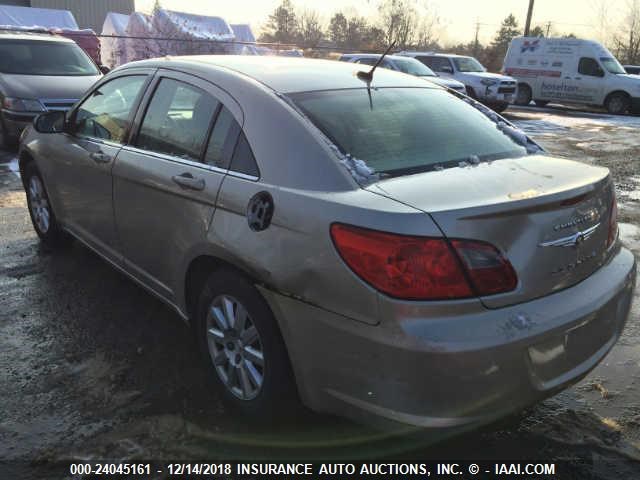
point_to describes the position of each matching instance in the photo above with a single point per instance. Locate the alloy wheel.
(39, 204)
(235, 347)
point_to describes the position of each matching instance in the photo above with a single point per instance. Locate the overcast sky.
(457, 17)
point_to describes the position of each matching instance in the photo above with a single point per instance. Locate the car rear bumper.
(461, 369)
(15, 122)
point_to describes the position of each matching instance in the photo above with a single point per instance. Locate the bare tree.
(627, 40)
(310, 28)
(398, 20)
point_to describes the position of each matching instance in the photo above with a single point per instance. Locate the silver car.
(407, 65)
(39, 73)
(376, 248)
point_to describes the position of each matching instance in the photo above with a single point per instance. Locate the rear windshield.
(37, 57)
(406, 130)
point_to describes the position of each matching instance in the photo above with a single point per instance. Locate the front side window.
(40, 57)
(468, 64)
(406, 130)
(106, 114)
(590, 67)
(177, 120)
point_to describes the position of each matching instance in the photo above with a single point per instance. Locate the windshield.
(468, 64)
(413, 67)
(37, 57)
(408, 130)
(612, 65)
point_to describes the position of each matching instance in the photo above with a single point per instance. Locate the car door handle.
(100, 157)
(186, 180)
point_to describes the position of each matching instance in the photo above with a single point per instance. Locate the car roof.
(373, 55)
(35, 36)
(434, 54)
(285, 74)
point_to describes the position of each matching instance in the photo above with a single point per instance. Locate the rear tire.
(243, 349)
(541, 103)
(5, 141)
(499, 107)
(42, 217)
(617, 103)
(523, 96)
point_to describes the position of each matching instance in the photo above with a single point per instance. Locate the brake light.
(488, 270)
(422, 268)
(613, 222)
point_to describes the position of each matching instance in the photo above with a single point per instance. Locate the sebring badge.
(572, 240)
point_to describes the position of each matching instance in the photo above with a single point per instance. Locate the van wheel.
(242, 347)
(40, 210)
(541, 103)
(617, 103)
(523, 97)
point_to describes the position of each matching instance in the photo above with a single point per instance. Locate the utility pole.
(527, 25)
(548, 28)
(475, 43)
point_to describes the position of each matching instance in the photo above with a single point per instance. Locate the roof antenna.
(368, 76)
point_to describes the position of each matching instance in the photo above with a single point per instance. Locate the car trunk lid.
(549, 217)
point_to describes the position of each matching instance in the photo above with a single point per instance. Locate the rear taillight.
(488, 271)
(423, 268)
(613, 222)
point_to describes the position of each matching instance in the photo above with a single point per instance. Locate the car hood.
(496, 76)
(445, 82)
(43, 86)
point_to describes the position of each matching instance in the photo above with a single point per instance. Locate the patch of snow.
(361, 172)
(13, 166)
(629, 235)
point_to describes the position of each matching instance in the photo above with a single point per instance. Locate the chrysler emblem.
(572, 240)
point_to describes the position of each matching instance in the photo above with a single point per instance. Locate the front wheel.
(242, 346)
(499, 107)
(42, 216)
(617, 103)
(523, 97)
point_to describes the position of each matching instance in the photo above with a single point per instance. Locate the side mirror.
(104, 69)
(51, 122)
(446, 69)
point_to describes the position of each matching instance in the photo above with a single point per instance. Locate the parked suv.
(380, 248)
(492, 89)
(39, 73)
(406, 65)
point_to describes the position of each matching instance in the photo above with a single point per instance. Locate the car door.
(84, 155)
(166, 182)
(589, 82)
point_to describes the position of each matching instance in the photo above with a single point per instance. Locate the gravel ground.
(92, 367)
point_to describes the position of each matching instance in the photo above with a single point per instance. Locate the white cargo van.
(569, 70)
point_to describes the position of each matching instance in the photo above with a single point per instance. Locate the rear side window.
(177, 120)
(106, 113)
(406, 130)
(243, 160)
(435, 63)
(223, 140)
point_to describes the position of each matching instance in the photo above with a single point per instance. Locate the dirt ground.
(92, 367)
